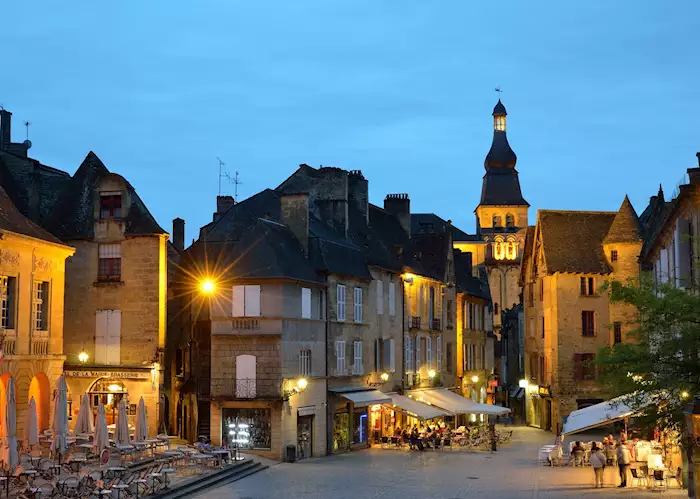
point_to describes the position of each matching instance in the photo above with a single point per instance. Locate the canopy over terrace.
(455, 404)
(415, 408)
(362, 397)
(599, 415)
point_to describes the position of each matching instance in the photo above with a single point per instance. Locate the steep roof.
(12, 220)
(466, 282)
(625, 227)
(499, 109)
(501, 186)
(573, 240)
(420, 221)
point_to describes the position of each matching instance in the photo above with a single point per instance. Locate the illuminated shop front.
(247, 428)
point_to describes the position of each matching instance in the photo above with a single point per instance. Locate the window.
(110, 206)
(392, 299)
(340, 295)
(438, 353)
(108, 337)
(305, 363)
(613, 255)
(8, 292)
(541, 289)
(448, 312)
(431, 307)
(584, 367)
(246, 376)
(305, 303)
(358, 305)
(246, 301)
(495, 308)
(496, 221)
(617, 333)
(180, 362)
(41, 306)
(510, 221)
(259, 421)
(421, 354)
(408, 353)
(429, 352)
(448, 357)
(542, 326)
(110, 262)
(499, 123)
(587, 286)
(389, 355)
(380, 297)
(588, 323)
(357, 358)
(483, 356)
(530, 294)
(540, 371)
(340, 358)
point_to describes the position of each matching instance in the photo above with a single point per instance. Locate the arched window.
(510, 221)
(511, 249)
(499, 250)
(497, 221)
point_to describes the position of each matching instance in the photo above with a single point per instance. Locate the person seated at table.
(397, 431)
(577, 453)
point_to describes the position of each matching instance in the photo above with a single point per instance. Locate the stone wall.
(267, 351)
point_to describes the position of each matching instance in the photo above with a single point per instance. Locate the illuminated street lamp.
(432, 373)
(385, 377)
(475, 379)
(523, 383)
(207, 286)
(302, 383)
(83, 357)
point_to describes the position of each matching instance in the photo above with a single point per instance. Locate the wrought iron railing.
(436, 325)
(245, 388)
(415, 323)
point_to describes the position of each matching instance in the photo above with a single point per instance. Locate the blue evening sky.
(603, 96)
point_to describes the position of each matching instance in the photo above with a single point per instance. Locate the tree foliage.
(659, 362)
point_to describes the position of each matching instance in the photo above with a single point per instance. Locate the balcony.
(245, 389)
(9, 342)
(415, 323)
(436, 325)
(247, 326)
(39, 343)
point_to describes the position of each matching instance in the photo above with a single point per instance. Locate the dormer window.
(110, 205)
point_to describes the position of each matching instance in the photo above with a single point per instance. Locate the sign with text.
(108, 374)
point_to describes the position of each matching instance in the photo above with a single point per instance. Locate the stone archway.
(40, 389)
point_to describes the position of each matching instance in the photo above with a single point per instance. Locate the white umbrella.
(141, 427)
(60, 418)
(121, 432)
(101, 436)
(84, 422)
(9, 427)
(31, 425)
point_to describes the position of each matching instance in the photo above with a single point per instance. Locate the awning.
(367, 397)
(598, 415)
(456, 404)
(517, 393)
(415, 408)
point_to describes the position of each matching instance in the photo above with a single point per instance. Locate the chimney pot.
(399, 205)
(5, 125)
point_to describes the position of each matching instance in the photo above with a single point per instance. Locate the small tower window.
(499, 123)
(496, 221)
(510, 221)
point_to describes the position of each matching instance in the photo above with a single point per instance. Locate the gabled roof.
(573, 240)
(422, 222)
(625, 227)
(12, 220)
(466, 282)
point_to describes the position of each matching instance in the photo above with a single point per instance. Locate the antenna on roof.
(27, 124)
(222, 173)
(236, 183)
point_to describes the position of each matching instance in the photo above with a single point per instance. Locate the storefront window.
(341, 427)
(109, 392)
(361, 426)
(247, 428)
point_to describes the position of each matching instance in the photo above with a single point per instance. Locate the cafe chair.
(384, 442)
(638, 475)
(659, 478)
(447, 444)
(678, 477)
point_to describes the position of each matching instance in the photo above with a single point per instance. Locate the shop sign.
(108, 374)
(545, 391)
(493, 382)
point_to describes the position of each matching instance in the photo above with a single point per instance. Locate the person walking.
(597, 460)
(623, 462)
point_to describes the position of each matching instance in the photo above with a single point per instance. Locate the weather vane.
(498, 89)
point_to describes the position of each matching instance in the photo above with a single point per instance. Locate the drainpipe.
(329, 411)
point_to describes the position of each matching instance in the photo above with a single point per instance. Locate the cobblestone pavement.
(510, 473)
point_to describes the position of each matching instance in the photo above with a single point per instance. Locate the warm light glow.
(83, 357)
(302, 383)
(432, 373)
(523, 383)
(385, 377)
(499, 123)
(475, 379)
(376, 408)
(114, 388)
(685, 395)
(408, 277)
(207, 286)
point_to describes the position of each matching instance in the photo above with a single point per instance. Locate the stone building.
(115, 282)
(32, 273)
(567, 317)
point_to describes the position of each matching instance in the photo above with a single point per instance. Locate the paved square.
(512, 472)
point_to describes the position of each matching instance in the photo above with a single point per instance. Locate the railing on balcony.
(415, 323)
(435, 325)
(245, 388)
(246, 324)
(39, 343)
(9, 344)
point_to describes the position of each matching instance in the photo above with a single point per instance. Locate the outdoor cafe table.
(152, 442)
(119, 487)
(221, 455)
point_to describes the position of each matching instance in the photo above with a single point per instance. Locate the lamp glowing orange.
(207, 286)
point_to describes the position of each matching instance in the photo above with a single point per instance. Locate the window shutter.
(378, 355)
(386, 355)
(464, 358)
(418, 353)
(357, 367)
(238, 301)
(246, 376)
(114, 336)
(340, 292)
(578, 368)
(252, 301)
(340, 358)
(438, 352)
(358, 304)
(305, 303)
(429, 352)
(101, 336)
(392, 355)
(392, 299)
(380, 297)
(408, 353)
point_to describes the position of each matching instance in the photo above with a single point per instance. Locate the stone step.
(230, 474)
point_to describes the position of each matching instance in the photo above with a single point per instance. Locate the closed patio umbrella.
(31, 425)
(141, 427)
(101, 435)
(84, 421)
(9, 427)
(60, 418)
(121, 432)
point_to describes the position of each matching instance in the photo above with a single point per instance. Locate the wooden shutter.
(238, 301)
(378, 355)
(392, 355)
(392, 299)
(114, 336)
(305, 303)
(252, 301)
(408, 352)
(429, 352)
(357, 367)
(380, 297)
(340, 295)
(419, 352)
(438, 352)
(340, 357)
(448, 357)
(357, 302)
(578, 368)
(101, 336)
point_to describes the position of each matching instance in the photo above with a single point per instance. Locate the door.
(548, 420)
(305, 436)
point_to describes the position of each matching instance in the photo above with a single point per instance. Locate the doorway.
(305, 436)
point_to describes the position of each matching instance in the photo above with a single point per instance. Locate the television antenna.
(233, 180)
(27, 124)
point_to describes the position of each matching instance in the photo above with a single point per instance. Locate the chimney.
(294, 213)
(399, 205)
(179, 234)
(223, 204)
(358, 193)
(5, 122)
(694, 173)
(330, 191)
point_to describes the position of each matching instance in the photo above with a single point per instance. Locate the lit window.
(110, 262)
(613, 255)
(110, 206)
(499, 123)
(499, 249)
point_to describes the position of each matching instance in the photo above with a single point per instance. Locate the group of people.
(430, 437)
(602, 457)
